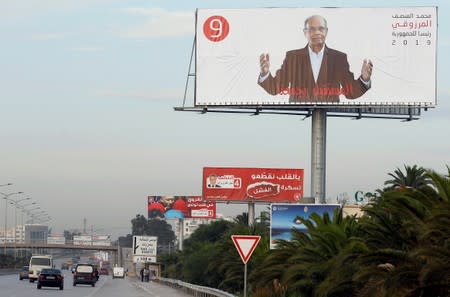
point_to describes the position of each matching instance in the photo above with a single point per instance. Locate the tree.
(408, 238)
(414, 177)
(160, 229)
(139, 225)
(242, 219)
(153, 227)
(126, 241)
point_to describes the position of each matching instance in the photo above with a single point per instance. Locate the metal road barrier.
(9, 271)
(194, 290)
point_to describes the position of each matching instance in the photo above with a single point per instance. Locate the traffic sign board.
(144, 259)
(145, 245)
(245, 244)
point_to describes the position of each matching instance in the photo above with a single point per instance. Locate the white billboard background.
(227, 71)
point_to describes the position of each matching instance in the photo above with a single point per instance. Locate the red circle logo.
(216, 28)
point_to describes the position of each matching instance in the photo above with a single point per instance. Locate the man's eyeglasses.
(314, 29)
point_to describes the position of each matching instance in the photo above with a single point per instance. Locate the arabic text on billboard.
(263, 56)
(171, 207)
(252, 184)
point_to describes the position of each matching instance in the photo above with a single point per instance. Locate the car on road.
(24, 272)
(118, 272)
(84, 274)
(50, 278)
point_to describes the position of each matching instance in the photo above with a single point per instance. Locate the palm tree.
(242, 219)
(414, 177)
(408, 236)
(309, 265)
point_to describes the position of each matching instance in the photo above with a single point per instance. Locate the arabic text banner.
(170, 207)
(253, 184)
(400, 42)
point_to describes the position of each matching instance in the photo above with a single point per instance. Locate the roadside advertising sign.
(172, 207)
(260, 56)
(144, 246)
(285, 217)
(200, 208)
(252, 184)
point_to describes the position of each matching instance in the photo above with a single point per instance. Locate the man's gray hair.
(315, 16)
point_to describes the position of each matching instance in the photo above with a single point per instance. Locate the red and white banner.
(252, 184)
(171, 207)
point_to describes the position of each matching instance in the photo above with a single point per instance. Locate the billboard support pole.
(251, 213)
(318, 154)
(180, 243)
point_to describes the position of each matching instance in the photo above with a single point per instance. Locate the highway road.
(11, 286)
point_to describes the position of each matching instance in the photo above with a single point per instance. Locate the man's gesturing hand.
(366, 70)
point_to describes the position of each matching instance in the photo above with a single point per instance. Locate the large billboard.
(308, 56)
(171, 207)
(285, 217)
(252, 184)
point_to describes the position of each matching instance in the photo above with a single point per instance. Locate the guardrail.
(194, 290)
(8, 271)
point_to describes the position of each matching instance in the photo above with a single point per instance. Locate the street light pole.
(16, 203)
(5, 196)
(23, 208)
(36, 215)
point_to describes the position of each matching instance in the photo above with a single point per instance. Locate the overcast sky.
(88, 130)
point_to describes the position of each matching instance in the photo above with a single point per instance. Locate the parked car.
(24, 272)
(84, 274)
(50, 278)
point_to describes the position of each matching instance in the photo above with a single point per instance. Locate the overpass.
(112, 248)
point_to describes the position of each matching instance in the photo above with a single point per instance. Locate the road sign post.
(144, 249)
(245, 245)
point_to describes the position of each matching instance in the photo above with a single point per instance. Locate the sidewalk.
(157, 290)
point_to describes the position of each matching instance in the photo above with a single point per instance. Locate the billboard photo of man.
(312, 55)
(212, 181)
(315, 73)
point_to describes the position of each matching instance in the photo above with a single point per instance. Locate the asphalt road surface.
(11, 286)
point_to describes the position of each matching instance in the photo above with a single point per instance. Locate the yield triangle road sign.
(245, 244)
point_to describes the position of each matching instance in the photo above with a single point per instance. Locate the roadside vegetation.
(400, 247)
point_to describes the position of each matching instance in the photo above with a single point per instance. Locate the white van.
(118, 272)
(37, 263)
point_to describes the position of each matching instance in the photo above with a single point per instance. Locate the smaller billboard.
(285, 217)
(252, 184)
(173, 207)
